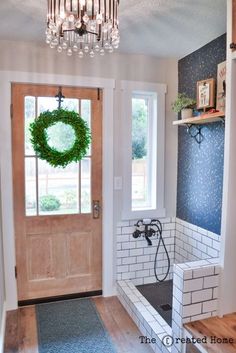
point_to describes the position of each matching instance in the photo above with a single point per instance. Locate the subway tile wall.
(195, 294)
(185, 242)
(135, 258)
(193, 243)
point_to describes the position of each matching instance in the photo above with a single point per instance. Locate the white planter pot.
(186, 113)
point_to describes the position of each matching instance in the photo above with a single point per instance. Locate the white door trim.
(108, 85)
(2, 328)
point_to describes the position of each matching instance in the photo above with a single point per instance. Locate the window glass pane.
(140, 156)
(30, 187)
(29, 118)
(61, 136)
(46, 103)
(86, 115)
(70, 104)
(86, 185)
(58, 189)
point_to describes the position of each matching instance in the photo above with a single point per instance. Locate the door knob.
(96, 209)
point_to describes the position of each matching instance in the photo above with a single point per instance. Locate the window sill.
(157, 213)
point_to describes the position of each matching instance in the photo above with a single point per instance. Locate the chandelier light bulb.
(84, 26)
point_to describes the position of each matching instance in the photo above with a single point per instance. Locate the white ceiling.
(162, 28)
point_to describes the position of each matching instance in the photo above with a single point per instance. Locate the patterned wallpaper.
(200, 168)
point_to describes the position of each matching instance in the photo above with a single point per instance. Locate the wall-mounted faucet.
(151, 228)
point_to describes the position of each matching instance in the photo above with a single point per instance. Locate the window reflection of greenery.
(139, 128)
(61, 139)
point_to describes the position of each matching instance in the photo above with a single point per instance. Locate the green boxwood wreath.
(39, 137)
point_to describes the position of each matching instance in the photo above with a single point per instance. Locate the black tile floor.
(159, 296)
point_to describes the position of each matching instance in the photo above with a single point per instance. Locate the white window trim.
(128, 87)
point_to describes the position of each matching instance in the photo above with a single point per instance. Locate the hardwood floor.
(21, 329)
(221, 328)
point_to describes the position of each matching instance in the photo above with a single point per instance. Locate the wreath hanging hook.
(60, 97)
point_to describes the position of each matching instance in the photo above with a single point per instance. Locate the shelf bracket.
(195, 131)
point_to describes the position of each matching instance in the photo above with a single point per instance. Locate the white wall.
(31, 58)
(2, 284)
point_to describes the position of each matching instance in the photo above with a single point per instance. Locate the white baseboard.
(2, 328)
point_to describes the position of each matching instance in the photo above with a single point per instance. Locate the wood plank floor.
(21, 329)
(222, 328)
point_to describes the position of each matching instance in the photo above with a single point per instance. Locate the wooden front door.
(58, 240)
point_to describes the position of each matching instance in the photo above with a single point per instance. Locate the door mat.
(72, 326)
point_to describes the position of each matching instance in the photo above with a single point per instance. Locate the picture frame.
(206, 94)
(221, 87)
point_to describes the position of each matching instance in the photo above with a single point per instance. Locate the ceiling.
(162, 28)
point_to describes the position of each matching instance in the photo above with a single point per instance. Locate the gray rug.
(72, 326)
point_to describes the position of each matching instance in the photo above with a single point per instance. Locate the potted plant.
(185, 105)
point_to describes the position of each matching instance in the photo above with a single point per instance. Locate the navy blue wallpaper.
(200, 168)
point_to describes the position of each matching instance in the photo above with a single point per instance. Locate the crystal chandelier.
(84, 27)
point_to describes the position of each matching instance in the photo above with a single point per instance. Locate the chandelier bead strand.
(83, 27)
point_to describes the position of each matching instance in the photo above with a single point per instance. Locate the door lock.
(96, 209)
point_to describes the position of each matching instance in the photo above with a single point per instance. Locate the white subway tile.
(148, 265)
(156, 327)
(212, 252)
(186, 298)
(143, 258)
(202, 247)
(202, 231)
(202, 295)
(138, 282)
(128, 275)
(129, 260)
(122, 253)
(178, 281)
(216, 293)
(193, 309)
(128, 245)
(200, 317)
(214, 236)
(136, 252)
(193, 284)
(143, 273)
(136, 267)
(207, 241)
(122, 238)
(211, 305)
(203, 271)
(128, 230)
(121, 269)
(177, 305)
(147, 280)
(178, 294)
(211, 281)
(188, 274)
(216, 245)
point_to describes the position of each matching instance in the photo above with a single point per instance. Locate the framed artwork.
(221, 87)
(206, 94)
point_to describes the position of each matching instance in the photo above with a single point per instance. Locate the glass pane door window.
(49, 190)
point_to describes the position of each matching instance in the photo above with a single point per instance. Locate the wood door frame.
(108, 85)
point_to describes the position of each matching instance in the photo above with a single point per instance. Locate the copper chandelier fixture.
(83, 27)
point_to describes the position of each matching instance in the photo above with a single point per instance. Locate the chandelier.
(85, 27)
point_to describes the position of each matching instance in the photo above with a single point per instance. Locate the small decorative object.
(221, 87)
(83, 27)
(40, 137)
(185, 105)
(206, 94)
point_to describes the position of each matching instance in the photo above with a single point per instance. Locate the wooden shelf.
(202, 119)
